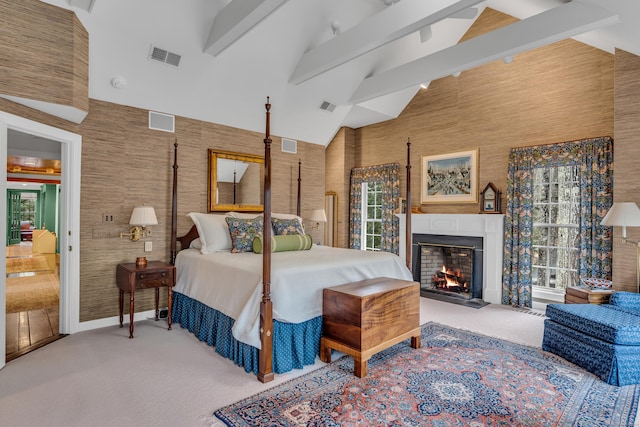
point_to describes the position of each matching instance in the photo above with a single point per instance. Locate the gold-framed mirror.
(235, 182)
(331, 210)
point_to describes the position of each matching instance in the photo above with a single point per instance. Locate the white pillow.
(213, 232)
(243, 215)
(196, 244)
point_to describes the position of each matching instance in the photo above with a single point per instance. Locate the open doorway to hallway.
(32, 246)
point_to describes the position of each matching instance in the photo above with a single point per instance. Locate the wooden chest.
(577, 295)
(363, 318)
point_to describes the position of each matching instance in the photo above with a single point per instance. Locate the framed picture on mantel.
(450, 178)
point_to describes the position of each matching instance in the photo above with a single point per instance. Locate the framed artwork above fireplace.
(450, 178)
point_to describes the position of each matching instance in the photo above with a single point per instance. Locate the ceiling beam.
(235, 19)
(392, 23)
(559, 23)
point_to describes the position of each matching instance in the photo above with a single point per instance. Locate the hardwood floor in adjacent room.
(29, 330)
(33, 283)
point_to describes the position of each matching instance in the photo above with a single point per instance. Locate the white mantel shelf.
(488, 226)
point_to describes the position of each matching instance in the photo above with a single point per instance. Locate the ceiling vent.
(164, 56)
(327, 106)
(160, 121)
(289, 146)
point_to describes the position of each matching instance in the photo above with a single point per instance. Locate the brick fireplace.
(488, 227)
(449, 266)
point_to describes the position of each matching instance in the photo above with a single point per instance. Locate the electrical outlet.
(107, 217)
(148, 246)
(163, 313)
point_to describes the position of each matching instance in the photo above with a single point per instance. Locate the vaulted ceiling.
(363, 59)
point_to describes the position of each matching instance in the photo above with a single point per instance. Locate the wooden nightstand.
(131, 277)
(579, 295)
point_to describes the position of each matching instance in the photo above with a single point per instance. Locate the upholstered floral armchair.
(603, 339)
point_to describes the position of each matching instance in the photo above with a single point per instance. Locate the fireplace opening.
(449, 267)
(446, 269)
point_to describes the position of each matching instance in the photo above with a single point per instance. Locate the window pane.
(540, 236)
(540, 214)
(378, 213)
(371, 212)
(538, 276)
(377, 242)
(539, 257)
(553, 214)
(377, 228)
(369, 227)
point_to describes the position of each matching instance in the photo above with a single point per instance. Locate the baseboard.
(113, 321)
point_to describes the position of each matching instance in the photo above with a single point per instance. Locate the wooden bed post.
(174, 204)
(408, 236)
(265, 356)
(299, 183)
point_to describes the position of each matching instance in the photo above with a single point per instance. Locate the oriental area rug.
(457, 378)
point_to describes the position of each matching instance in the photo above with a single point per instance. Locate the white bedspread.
(232, 283)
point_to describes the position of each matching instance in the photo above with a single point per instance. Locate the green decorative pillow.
(243, 231)
(289, 242)
(283, 227)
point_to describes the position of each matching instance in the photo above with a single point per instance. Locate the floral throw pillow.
(243, 231)
(283, 227)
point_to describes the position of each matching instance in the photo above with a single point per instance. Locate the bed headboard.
(192, 234)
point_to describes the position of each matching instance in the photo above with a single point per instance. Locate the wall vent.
(327, 106)
(289, 145)
(164, 56)
(160, 121)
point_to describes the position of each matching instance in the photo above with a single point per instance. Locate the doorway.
(67, 242)
(32, 253)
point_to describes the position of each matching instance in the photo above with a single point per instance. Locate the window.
(555, 241)
(28, 207)
(371, 216)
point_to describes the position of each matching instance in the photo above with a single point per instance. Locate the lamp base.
(141, 261)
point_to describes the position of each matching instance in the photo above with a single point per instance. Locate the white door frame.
(69, 225)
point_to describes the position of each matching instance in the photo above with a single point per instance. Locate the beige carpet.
(32, 292)
(36, 263)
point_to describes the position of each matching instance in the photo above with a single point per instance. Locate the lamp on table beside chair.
(625, 215)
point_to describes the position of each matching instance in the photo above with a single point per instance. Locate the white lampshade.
(143, 216)
(623, 215)
(318, 215)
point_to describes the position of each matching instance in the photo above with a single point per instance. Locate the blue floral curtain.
(389, 177)
(594, 157)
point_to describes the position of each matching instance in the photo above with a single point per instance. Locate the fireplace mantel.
(488, 226)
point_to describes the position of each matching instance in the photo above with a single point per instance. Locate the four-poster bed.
(227, 300)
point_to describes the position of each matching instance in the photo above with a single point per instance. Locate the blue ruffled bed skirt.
(294, 344)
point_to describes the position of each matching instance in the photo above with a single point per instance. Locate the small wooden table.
(580, 295)
(362, 318)
(131, 277)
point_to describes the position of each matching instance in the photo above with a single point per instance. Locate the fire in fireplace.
(449, 280)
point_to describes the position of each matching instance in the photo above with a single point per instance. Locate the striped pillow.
(287, 242)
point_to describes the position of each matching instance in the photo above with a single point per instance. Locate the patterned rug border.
(594, 403)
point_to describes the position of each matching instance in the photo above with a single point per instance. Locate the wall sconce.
(625, 215)
(140, 218)
(317, 216)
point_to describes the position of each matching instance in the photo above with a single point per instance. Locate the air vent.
(160, 121)
(289, 146)
(327, 106)
(164, 56)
